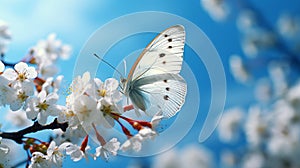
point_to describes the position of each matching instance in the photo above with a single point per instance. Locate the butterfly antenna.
(125, 68)
(109, 65)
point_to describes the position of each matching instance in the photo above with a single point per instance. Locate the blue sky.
(75, 21)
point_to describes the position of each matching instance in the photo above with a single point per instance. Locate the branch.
(19, 135)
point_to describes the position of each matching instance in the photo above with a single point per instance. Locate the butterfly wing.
(163, 55)
(164, 91)
(154, 81)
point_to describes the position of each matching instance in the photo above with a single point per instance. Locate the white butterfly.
(153, 82)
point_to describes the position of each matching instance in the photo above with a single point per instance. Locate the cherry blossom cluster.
(31, 88)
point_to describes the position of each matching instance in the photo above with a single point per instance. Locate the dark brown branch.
(19, 135)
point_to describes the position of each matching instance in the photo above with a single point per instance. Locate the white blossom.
(39, 160)
(7, 93)
(78, 87)
(52, 84)
(42, 106)
(134, 143)
(56, 153)
(107, 90)
(110, 148)
(156, 119)
(21, 72)
(76, 153)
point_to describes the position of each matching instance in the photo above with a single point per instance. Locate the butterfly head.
(123, 82)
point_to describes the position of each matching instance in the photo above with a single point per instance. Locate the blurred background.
(258, 43)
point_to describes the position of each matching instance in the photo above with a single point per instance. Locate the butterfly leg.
(128, 107)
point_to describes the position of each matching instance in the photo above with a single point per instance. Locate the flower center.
(22, 96)
(21, 77)
(101, 92)
(106, 110)
(43, 106)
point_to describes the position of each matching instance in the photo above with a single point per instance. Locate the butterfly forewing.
(163, 54)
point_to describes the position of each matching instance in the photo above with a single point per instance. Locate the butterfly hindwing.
(163, 91)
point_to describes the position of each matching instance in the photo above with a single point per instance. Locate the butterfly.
(154, 82)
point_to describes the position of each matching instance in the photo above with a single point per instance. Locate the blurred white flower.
(263, 90)
(238, 69)
(230, 125)
(217, 9)
(246, 21)
(110, 148)
(254, 160)
(257, 40)
(193, 156)
(47, 70)
(285, 143)
(277, 73)
(256, 127)
(284, 113)
(47, 52)
(167, 159)
(17, 118)
(288, 25)
(293, 96)
(228, 159)
(285, 132)
(5, 36)
(51, 49)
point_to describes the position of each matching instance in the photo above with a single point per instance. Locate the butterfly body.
(154, 82)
